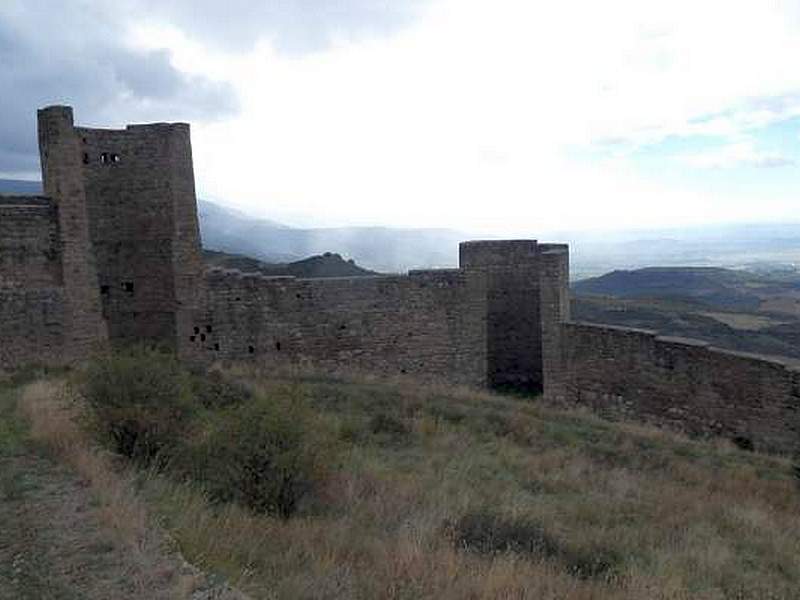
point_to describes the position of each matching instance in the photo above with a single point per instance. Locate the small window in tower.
(216, 346)
(251, 349)
(105, 290)
(104, 158)
(127, 286)
(192, 338)
(278, 346)
(208, 328)
(202, 337)
(86, 158)
(115, 159)
(196, 330)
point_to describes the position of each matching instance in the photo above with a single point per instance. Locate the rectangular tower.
(135, 188)
(513, 322)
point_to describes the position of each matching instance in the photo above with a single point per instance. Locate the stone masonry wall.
(554, 310)
(30, 255)
(59, 150)
(681, 384)
(32, 327)
(143, 227)
(514, 332)
(430, 323)
(31, 297)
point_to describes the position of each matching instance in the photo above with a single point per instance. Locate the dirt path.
(53, 544)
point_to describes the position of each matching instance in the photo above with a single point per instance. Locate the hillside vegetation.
(328, 264)
(735, 309)
(296, 485)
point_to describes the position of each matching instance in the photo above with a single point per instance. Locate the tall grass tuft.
(268, 455)
(141, 402)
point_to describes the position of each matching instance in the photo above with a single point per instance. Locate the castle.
(111, 254)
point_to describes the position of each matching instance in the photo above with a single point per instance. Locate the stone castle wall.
(31, 295)
(143, 227)
(430, 323)
(476, 325)
(681, 384)
(112, 253)
(30, 253)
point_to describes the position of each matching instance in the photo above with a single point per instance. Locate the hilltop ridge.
(328, 264)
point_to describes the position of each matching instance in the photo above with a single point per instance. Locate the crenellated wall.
(681, 384)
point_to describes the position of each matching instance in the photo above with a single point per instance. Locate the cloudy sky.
(501, 116)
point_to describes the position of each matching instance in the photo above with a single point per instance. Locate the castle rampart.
(111, 254)
(427, 323)
(685, 385)
(29, 242)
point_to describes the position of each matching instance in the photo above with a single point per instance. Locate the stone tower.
(527, 300)
(513, 337)
(60, 153)
(127, 202)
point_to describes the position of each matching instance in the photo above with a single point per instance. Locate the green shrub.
(382, 423)
(485, 533)
(141, 402)
(266, 455)
(213, 390)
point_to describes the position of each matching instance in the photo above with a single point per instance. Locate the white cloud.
(739, 154)
(469, 118)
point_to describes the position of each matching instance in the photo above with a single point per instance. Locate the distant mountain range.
(735, 309)
(321, 266)
(712, 286)
(754, 247)
(383, 249)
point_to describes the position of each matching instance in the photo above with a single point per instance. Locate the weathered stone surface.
(112, 254)
(681, 384)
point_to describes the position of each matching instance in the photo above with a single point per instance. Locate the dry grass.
(673, 518)
(560, 505)
(53, 413)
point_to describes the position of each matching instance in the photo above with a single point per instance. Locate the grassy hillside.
(740, 310)
(328, 264)
(297, 485)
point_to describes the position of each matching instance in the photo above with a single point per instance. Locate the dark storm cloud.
(68, 53)
(292, 26)
(73, 52)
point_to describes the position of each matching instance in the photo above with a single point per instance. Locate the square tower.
(136, 187)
